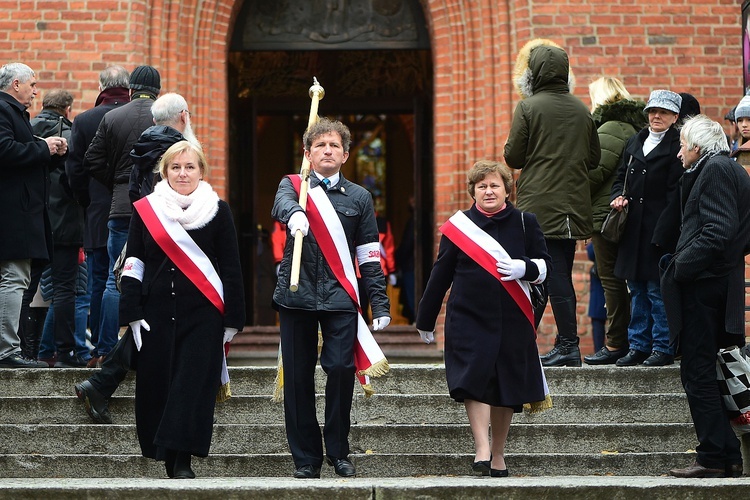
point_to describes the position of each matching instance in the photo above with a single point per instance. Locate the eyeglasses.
(186, 111)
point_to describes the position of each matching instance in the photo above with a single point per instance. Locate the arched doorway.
(374, 61)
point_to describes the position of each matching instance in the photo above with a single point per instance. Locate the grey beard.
(189, 135)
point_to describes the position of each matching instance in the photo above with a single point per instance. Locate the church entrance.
(374, 62)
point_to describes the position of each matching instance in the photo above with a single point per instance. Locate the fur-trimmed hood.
(624, 110)
(537, 69)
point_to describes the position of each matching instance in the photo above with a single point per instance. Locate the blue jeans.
(109, 325)
(98, 264)
(47, 346)
(648, 330)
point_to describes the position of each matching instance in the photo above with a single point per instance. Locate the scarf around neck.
(191, 211)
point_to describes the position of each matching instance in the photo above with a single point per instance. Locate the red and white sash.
(369, 359)
(186, 255)
(182, 250)
(486, 251)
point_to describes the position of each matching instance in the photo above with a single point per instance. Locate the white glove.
(380, 323)
(229, 334)
(427, 337)
(392, 279)
(513, 269)
(298, 221)
(136, 327)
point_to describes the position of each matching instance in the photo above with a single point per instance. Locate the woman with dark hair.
(488, 256)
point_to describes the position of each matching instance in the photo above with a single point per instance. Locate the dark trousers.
(703, 334)
(562, 295)
(299, 349)
(616, 294)
(64, 280)
(31, 324)
(112, 373)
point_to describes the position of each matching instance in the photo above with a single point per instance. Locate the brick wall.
(679, 44)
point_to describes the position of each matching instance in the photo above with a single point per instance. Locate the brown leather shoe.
(697, 470)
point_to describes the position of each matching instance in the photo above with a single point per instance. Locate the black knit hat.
(145, 78)
(689, 107)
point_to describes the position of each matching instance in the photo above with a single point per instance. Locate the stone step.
(426, 487)
(368, 465)
(379, 409)
(84, 439)
(402, 379)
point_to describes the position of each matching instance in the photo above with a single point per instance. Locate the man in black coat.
(25, 230)
(92, 194)
(108, 161)
(66, 218)
(703, 286)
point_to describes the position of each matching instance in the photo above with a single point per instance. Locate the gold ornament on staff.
(316, 94)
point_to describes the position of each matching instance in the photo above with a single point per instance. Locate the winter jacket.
(553, 140)
(65, 214)
(90, 193)
(108, 157)
(319, 290)
(617, 123)
(25, 231)
(652, 184)
(145, 155)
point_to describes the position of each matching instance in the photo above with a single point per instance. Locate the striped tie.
(326, 184)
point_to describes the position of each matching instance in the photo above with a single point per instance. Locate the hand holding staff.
(316, 94)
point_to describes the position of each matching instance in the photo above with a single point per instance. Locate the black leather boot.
(563, 355)
(182, 468)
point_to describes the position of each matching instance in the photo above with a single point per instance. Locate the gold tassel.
(538, 406)
(378, 369)
(225, 392)
(278, 383)
(369, 391)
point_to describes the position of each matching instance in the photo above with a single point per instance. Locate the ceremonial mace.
(316, 94)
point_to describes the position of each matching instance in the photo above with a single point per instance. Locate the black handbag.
(613, 226)
(537, 291)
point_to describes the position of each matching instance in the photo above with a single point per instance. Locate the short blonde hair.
(607, 90)
(177, 149)
(483, 168)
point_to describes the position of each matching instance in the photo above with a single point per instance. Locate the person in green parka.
(553, 140)
(619, 118)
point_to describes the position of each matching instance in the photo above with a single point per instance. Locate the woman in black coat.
(653, 170)
(179, 319)
(491, 359)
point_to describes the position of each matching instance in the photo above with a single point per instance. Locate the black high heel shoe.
(498, 472)
(482, 466)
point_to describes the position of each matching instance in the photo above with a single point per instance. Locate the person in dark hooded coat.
(553, 140)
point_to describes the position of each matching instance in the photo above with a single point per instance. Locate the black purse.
(613, 226)
(537, 291)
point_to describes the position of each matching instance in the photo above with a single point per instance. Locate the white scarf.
(192, 211)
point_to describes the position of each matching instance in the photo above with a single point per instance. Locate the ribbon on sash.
(369, 359)
(486, 251)
(182, 250)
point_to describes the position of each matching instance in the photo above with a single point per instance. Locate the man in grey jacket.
(703, 286)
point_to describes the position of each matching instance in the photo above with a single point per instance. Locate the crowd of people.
(125, 180)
